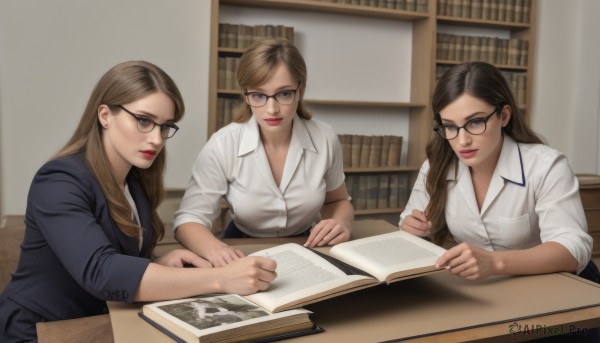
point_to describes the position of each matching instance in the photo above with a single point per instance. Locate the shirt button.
(486, 241)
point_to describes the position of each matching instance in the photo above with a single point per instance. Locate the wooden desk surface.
(436, 307)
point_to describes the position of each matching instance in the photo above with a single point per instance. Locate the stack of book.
(513, 52)
(240, 36)
(501, 10)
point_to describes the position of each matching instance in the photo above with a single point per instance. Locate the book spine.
(365, 149)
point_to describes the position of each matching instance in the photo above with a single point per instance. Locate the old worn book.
(225, 318)
(306, 276)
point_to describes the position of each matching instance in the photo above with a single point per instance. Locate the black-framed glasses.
(475, 126)
(284, 97)
(145, 124)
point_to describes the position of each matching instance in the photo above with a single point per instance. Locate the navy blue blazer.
(74, 257)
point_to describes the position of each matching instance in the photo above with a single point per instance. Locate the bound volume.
(306, 276)
(225, 318)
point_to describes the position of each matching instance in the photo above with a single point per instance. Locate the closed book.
(372, 191)
(494, 9)
(475, 48)
(466, 9)
(422, 6)
(222, 35)
(356, 146)
(375, 151)
(385, 150)
(232, 31)
(365, 149)
(346, 143)
(476, 8)
(383, 191)
(403, 192)
(220, 112)
(393, 190)
(245, 34)
(360, 200)
(510, 11)
(513, 51)
(526, 10)
(221, 73)
(395, 151)
(501, 10)
(411, 5)
(486, 7)
(518, 11)
(523, 52)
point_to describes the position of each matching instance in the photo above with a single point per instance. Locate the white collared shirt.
(233, 163)
(533, 197)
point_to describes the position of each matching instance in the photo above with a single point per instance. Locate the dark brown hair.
(485, 82)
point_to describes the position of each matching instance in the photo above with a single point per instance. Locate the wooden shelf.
(496, 24)
(422, 67)
(378, 211)
(329, 7)
(500, 66)
(380, 170)
(364, 103)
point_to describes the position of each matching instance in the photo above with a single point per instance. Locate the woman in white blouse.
(279, 170)
(490, 190)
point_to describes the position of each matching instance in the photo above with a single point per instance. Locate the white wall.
(566, 105)
(53, 52)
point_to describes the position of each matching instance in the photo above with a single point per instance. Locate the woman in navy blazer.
(91, 220)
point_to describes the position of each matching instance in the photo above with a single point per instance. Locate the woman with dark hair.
(91, 219)
(280, 171)
(508, 203)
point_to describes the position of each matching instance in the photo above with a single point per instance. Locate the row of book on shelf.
(405, 5)
(494, 50)
(378, 191)
(516, 11)
(371, 151)
(517, 81)
(241, 36)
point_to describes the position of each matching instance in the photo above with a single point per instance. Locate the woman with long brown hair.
(508, 203)
(91, 219)
(280, 171)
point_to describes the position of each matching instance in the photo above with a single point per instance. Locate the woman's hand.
(182, 258)
(247, 275)
(328, 232)
(469, 261)
(222, 254)
(417, 224)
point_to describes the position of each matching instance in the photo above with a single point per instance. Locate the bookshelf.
(408, 50)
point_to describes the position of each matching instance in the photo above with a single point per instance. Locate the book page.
(302, 276)
(392, 253)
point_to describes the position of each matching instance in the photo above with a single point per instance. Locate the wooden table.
(436, 307)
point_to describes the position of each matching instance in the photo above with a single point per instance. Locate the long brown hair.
(258, 64)
(483, 81)
(124, 83)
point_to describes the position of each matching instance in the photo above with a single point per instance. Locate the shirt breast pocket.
(514, 231)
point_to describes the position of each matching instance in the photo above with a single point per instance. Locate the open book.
(306, 276)
(225, 318)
